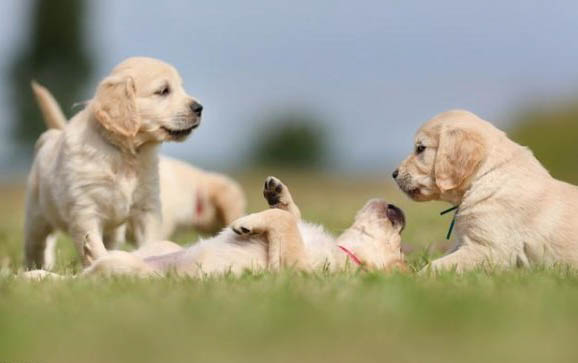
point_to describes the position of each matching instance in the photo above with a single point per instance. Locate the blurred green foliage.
(552, 134)
(56, 54)
(293, 140)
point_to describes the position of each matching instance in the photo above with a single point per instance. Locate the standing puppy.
(190, 197)
(511, 212)
(101, 169)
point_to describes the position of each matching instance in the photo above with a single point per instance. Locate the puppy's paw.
(275, 192)
(244, 226)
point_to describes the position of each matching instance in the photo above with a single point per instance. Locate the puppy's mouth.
(414, 192)
(179, 133)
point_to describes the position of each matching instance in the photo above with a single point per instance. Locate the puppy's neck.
(455, 196)
(126, 153)
(365, 252)
(127, 146)
(501, 162)
(501, 153)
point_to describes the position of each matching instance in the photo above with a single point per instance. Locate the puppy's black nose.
(197, 108)
(395, 173)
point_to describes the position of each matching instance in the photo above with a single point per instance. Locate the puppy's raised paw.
(274, 191)
(278, 196)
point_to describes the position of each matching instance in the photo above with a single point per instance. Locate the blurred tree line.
(56, 54)
(552, 134)
(294, 140)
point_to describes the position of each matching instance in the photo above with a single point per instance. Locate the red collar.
(352, 256)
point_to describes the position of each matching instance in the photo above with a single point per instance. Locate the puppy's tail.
(51, 111)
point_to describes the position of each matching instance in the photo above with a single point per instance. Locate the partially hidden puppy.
(270, 240)
(199, 199)
(100, 170)
(190, 197)
(511, 212)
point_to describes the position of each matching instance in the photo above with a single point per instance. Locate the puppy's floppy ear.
(460, 153)
(114, 106)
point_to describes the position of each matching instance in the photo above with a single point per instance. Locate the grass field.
(522, 315)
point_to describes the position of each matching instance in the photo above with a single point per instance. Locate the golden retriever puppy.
(100, 170)
(270, 240)
(191, 197)
(511, 212)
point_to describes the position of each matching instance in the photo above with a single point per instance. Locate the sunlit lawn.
(480, 317)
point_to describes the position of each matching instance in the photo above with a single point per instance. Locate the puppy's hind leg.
(36, 231)
(279, 227)
(50, 252)
(278, 196)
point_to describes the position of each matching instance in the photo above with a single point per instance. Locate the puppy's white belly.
(319, 246)
(223, 254)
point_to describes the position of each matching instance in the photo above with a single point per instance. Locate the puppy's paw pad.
(242, 228)
(273, 191)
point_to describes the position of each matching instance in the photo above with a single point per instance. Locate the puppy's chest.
(118, 198)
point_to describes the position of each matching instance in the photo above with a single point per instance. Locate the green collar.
(456, 208)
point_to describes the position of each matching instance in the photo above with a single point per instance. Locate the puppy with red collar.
(271, 240)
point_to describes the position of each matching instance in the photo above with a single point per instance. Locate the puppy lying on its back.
(100, 170)
(270, 240)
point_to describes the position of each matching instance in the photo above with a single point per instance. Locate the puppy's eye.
(163, 91)
(419, 149)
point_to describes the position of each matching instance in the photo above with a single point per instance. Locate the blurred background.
(341, 86)
(326, 95)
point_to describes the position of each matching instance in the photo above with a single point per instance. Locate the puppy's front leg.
(114, 238)
(146, 227)
(465, 258)
(279, 227)
(87, 236)
(36, 233)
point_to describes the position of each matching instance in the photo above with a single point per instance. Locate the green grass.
(522, 315)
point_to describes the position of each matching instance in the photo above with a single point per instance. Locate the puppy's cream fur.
(511, 211)
(190, 197)
(270, 240)
(100, 170)
(196, 198)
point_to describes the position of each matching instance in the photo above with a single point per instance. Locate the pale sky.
(372, 70)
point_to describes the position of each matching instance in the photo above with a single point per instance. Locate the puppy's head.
(375, 236)
(143, 101)
(448, 150)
